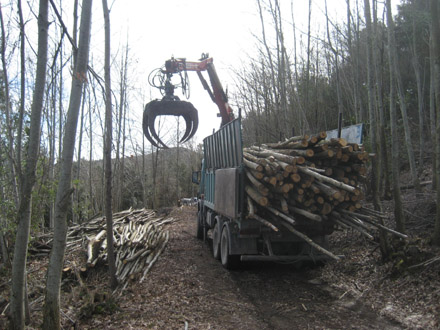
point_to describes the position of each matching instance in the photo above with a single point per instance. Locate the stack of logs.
(309, 179)
(138, 237)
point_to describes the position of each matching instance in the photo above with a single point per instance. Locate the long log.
(264, 222)
(294, 142)
(371, 222)
(328, 191)
(256, 196)
(334, 182)
(257, 184)
(269, 153)
(282, 215)
(252, 165)
(155, 258)
(257, 217)
(254, 159)
(308, 215)
(310, 241)
(357, 228)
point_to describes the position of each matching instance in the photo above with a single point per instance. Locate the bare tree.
(371, 103)
(273, 96)
(77, 197)
(51, 311)
(120, 151)
(382, 147)
(401, 95)
(335, 52)
(306, 105)
(435, 37)
(8, 120)
(398, 207)
(362, 110)
(22, 87)
(108, 151)
(432, 109)
(420, 91)
(28, 179)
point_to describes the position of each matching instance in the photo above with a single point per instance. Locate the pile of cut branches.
(138, 237)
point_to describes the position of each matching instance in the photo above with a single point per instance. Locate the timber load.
(311, 185)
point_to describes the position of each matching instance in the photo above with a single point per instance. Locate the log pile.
(309, 181)
(139, 238)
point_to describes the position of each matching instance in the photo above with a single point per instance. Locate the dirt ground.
(188, 289)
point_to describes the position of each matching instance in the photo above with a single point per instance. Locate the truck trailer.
(223, 216)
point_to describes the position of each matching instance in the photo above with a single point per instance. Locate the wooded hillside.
(369, 64)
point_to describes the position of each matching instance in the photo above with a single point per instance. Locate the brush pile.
(311, 182)
(139, 238)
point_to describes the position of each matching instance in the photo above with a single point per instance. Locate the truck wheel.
(199, 225)
(228, 261)
(216, 241)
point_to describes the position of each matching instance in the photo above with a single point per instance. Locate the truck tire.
(228, 261)
(199, 225)
(216, 241)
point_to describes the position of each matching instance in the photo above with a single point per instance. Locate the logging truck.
(225, 213)
(231, 216)
(273, 202)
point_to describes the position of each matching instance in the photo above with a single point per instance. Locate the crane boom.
(171, 105)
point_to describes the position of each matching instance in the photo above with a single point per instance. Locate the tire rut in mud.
(287, 298)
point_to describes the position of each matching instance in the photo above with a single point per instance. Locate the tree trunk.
(76, 214)
(435, 37)
(306, 91)
(432, 114)
(371, 108)
(52, 142)
(383, 161)
(7, 107)
(108, 151)
(28, 181)
(22, 88)
(51, 311)
(420, 93)
(272, 69)
(398, 207)
(373, 125)
(362, 110)
(3, 225)
(154, 166)
(401, 95)
(338, 83)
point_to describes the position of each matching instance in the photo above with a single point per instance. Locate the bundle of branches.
(138, 235)
(309, 180)
(139, 239)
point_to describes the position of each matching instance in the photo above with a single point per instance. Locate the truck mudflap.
(297, 252)
(240, 245)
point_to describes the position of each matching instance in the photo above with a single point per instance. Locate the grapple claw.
(192, 123)
(167, 107)
(147, 132)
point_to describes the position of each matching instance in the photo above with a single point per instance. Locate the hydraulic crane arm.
(171, 105)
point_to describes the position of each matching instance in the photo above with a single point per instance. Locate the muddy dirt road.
(187, 288)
